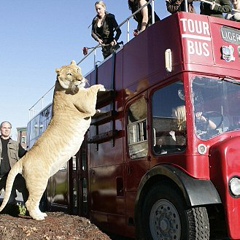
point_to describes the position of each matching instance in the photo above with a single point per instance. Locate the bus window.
(169, 119)
(136, 129)
(35, 127)
(45, 118)
(216, 106)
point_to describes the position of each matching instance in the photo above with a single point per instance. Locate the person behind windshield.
(202, 124)
(205, 121)
(202, 121)
(174, 6)
(143, 17)
(103, 27)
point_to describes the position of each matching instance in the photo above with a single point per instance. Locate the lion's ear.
(57, 70)
(73, 62)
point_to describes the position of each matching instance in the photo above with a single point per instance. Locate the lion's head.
(70, 77)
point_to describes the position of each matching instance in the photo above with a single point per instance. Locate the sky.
(39, 36)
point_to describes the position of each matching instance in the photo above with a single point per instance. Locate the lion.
(73, 107)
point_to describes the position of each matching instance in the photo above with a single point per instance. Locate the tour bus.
(162, 158)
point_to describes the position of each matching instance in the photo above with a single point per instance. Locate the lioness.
(73, 106)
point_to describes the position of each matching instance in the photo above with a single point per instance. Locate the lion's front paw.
(101, 87)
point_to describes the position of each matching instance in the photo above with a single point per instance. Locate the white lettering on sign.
(231, 35)
(198, 37)
(198, 48)
(195, 26)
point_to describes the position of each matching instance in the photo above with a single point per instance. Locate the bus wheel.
(165, 216)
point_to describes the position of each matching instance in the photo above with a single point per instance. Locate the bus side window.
(136, 129)
(169, 120)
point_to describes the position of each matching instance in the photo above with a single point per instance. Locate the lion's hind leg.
(34, 198)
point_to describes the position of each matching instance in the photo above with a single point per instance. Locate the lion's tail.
(16, 169)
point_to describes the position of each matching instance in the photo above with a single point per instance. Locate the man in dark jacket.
(10, 152)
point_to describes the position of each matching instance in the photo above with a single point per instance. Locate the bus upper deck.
(181, 42)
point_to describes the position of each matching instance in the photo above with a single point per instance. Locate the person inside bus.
(104, 26)
(174, 6)
(160, 147)
(178, 133)
(175, 139)
(11, 151)
(203, 123)
(215, 8)
(143, 17)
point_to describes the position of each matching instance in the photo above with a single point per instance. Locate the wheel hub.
(165, 221)
(164, 224)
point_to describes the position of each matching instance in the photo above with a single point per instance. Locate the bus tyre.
(165, 216)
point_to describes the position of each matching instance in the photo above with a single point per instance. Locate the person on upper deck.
(104, 25)
(143, 17)
(215, 8)
(235, 13)
(174, 6)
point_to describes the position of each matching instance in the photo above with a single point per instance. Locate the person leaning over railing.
(174, 6)
(104, 26)
(143, 17)
(235, 13)
(215, 8)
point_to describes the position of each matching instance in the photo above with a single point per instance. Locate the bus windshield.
(216, 105)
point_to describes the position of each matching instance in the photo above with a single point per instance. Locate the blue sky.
(38, 36)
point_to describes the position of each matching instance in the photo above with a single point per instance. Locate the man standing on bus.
(10, 152)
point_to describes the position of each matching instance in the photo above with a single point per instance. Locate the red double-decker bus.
(161, 160)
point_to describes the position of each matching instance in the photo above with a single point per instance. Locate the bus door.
(137, 144)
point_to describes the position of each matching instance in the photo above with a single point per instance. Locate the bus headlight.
(234, 186)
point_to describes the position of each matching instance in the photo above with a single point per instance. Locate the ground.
(57, 226)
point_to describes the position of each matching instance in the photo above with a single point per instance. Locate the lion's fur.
(73, 107)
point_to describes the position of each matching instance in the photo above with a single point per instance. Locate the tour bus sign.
(197, 38)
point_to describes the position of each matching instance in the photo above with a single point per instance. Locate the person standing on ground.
(104, 26)
(10, 152)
